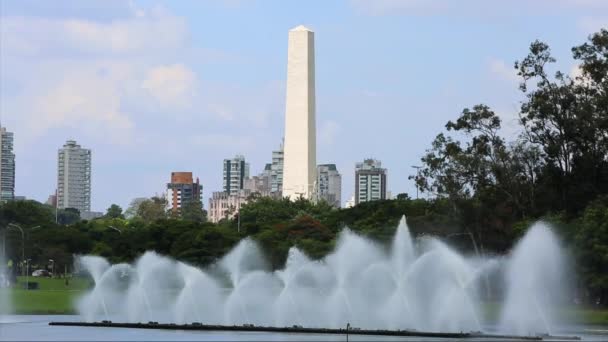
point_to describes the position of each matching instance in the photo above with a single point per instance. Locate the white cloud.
(155, 30)
(499, 69)
(171, 85)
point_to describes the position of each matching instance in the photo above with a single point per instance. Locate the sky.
(159, 86)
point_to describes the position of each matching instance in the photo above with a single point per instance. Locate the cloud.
(500, 70)
(95, 76)
(171, 85)
(154, 30)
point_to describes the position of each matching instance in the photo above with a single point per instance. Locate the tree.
(131, 211)
(152, 209)
(193, 211)
(114, 211)
(591, 243)
(568, 119)
(68, 216)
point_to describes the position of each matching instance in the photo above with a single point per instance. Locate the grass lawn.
(52, 297)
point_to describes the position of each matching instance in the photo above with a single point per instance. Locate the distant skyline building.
(370, 181)
(74, 177)
(225, 206)
(183, 189)
(329, 184)
(7, 166)
(300, 159)
(276, 171)
(235, 171)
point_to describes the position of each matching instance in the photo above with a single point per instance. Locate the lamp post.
(417, 177)
(13, 225)
(27, 274)
(52, 267)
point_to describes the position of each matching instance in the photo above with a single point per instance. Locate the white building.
(236, 170)
(276, 171)
(370, 181)
(225, 206)
(329, 184)
(7, 166)
(300, 164)
(74, 177)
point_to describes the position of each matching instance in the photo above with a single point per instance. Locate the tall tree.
(114, 211)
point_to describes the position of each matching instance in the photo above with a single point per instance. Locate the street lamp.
(417, 177)
(27, 274)
(13, 225)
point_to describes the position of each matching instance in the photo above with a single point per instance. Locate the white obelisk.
(300, 163)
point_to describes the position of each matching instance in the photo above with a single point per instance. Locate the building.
(329, 184)
(7, 166)
(225, 206)
(259, 183)
(74, 177)
(300, 164)
(276, 172)
(236, 170)
(182, 189)
(370, 181)
(52, 200)
(90, 215)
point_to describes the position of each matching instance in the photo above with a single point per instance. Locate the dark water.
(36, 328)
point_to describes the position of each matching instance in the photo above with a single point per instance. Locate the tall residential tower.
(183, 190)
(74, 177)
(236, 170)
(7, 166)
(300, 160)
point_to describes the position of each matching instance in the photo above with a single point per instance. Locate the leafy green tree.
(193, 211)
(114, 211)
(68, 216)
(591, 243)
(152, 209)
(131, 211)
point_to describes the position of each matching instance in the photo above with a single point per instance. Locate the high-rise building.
(224, 205)
(370, 181)
(236, 170)
(276, 172)
(300, 164)
(74, 177)
(329, 184)
(7, 166)
(182, 189)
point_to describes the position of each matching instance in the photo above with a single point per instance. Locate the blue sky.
(159, 86)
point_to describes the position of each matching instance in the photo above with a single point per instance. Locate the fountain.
(5, 298)
(423, 286)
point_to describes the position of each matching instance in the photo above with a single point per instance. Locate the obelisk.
(300, 163)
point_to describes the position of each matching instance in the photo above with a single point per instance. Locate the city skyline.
(226, 94)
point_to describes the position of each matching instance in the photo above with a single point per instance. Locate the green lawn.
(52, 297)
